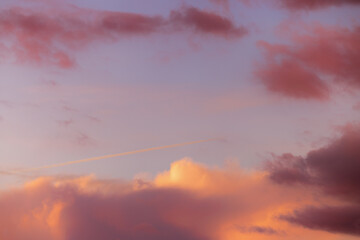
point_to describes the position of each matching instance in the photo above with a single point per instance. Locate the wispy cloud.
(298, 70)
(49, 37)
(315, 4)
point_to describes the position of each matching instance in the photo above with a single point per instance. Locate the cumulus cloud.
(82, 208)
(190, 201)
(49, 36)
(220, 204)
(302, 70)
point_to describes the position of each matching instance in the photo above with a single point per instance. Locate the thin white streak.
(110, 156)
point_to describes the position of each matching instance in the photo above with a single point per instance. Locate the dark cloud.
(337, 219)
(289, 169)
(334, 168)
(146, 214)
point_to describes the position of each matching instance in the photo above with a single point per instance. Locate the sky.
(179, 119)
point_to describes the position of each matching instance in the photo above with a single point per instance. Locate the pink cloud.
(82, 139)
(298, 70)
(206, 23)
(356, 106)
(315, 4)
(48, 37)
(65, 123)
(291, 79)
(226, 3)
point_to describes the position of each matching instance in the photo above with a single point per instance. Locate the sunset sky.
(260, 97)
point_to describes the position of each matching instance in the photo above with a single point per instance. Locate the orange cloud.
(312, 197)
(190, 201)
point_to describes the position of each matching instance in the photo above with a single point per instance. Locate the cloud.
(293, 5)
(258, 229)
(226, 3)
(291, 79)
(193, 201)
(315, 4)
(356, 106)
(206, 22)
(61, 209)
(189, 201)
(48, 37)
(338, 219)
(169, 207)
(65, 123)
(334, 169)
(36, 36)
(83, 139)
(288, 169)
(303, 70)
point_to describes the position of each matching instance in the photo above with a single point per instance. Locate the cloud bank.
(170, 207)
(193, 201)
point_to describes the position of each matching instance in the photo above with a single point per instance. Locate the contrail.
(110, 156)
(13, 173)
